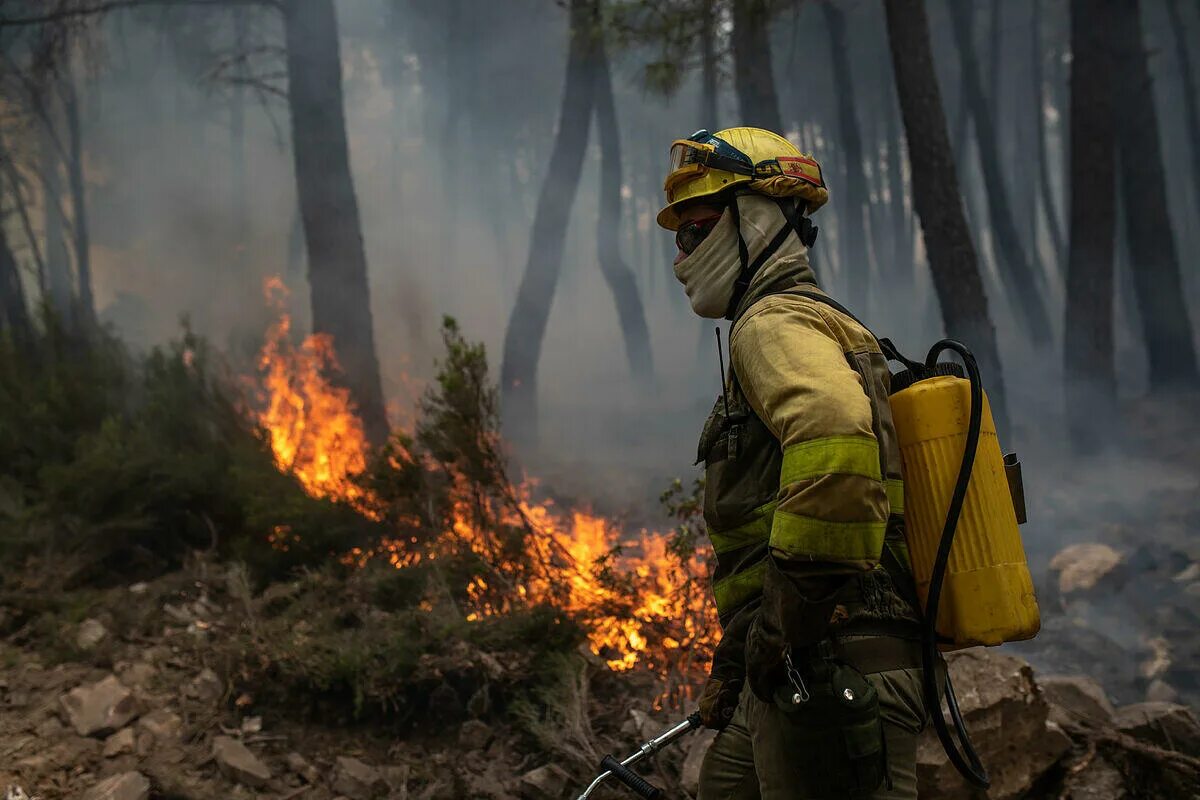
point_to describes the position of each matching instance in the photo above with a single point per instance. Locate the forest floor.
(181, 686)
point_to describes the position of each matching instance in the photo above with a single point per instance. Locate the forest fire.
(641, 604)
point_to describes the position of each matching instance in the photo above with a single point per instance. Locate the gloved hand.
(719, 699)
(796, 610)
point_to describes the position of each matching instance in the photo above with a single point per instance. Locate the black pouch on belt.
(833, 729)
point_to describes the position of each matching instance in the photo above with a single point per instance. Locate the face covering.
(709, 272)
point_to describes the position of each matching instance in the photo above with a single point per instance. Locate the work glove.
(719, 698)
(796, 612)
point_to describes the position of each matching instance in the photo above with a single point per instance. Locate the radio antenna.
(721, 361)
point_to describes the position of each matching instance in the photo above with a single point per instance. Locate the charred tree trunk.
(936, 196)
(853, 234)
(753, 77)
(83, 262)
(527, 323)
(337, 261)
(1183, 55)
(903, 249)
(1020, 279)
(616, 272)
(1039, 89)
(1091, 384)
(1165, 324)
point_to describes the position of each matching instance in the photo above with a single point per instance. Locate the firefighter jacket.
(804, 499)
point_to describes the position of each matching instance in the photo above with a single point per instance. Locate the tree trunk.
(753, 77)
(239, 206)
(337, 261)
(1160, 298)
(616, 272)
(527, 323)
(853, 231)
(1091, 383)
(1183, 55)
(903, 249)
(708, 67)
(83, 262)
(936, 196)
(14, 314)
(59, 293)
(1020, 279)
(1039, 90)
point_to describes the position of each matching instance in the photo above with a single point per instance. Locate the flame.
(314, 431)
(640, 605)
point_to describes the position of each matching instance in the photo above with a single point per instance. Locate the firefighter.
(815, 686)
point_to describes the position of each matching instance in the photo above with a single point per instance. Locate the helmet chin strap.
(796, 223)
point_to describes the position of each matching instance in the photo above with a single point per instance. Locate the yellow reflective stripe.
(820, 539)
(895, 494)
(757, 529)
(842, 455)
(734, 590)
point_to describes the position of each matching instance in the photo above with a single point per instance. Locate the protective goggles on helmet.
(700, 152)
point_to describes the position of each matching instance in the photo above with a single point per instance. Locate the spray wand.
(611, 768)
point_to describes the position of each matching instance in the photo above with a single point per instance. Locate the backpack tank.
(988, 595)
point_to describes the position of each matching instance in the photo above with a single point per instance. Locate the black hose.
(631, 779)
(966, 760)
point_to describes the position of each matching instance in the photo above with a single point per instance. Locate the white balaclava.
(709, 273)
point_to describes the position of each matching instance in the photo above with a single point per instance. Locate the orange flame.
(651, 610)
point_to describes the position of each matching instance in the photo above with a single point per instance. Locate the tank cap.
(906, 378)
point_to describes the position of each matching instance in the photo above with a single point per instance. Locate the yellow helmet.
(706, 164)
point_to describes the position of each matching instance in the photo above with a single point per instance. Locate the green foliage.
(118, 466)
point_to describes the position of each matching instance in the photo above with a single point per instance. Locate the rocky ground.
(153, 711)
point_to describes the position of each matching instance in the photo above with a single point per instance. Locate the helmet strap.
(796, 223)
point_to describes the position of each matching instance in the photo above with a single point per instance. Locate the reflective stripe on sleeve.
(734, 590)
(756, 529)
(895, 494)
(844, 455)
(821, 540)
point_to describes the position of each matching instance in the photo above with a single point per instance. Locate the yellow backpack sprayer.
(959, 490)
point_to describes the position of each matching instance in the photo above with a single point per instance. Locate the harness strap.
(879, 653)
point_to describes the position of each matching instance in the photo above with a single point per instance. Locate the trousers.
(750, 761)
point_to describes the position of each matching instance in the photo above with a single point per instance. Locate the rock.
(1096, 780)
(126, 786)
(397, 780)
(163, 724)
(548, 782)
(236, 762)
(1081, 567)
(357, 780)
(1159, 691)
(1008, 720)
(299, 765)
(138, 588)
(99, 709)
(1165, 724)
(49, 728)
(697, 748)
(474, 735)
(206, 686)
(91, 632)
(136, 674)
(1076, 699)
(120, 742)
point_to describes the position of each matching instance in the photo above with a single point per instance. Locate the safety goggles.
(691, 234)
(702, 151)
